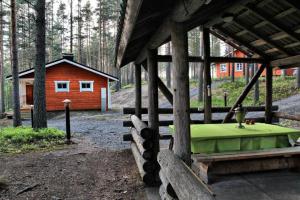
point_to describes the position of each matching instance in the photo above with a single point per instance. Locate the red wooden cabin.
(224, 69)
(87, 88)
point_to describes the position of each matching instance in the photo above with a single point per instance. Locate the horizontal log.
(141, 127)
(148, 178)
(184, 182)
(216, 121)
(283, 115)
(127, 110)
(168, 58)
(141, 142)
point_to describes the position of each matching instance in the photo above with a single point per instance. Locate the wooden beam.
(207, 76)
(184, 182)
(272, 21)
(127, 110)
(292, 60)
(213, 121)
(269, 92)
(163, 88)
(244, 93)
(283, 115)
(181, 91)
(153, 98)
(168, 58)
(257, 34)
(242, 42)
(131, 16)
(182, 11)
(231, 43)
(138, 91)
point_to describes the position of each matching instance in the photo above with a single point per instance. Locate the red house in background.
(87, 88)
(225, 69)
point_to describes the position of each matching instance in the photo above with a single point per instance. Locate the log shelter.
(268, 31)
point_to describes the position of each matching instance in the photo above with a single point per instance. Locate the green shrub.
(24, 139)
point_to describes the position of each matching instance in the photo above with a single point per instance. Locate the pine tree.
(71, 26)
(2, 104)
(15, 69)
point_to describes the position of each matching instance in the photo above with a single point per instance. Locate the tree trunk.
(298, 77)
(256, 86)
(71, 26)
(200, 70)
(168, 67)
(232, 71)
(39, 95)
(79, 33)
(2, 104)
(15, 70)
(246, 73)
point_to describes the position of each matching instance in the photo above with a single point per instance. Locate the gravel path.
(103, 130)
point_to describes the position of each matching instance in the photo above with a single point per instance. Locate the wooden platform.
(209, 166)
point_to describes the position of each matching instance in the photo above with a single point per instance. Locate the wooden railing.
(196, 110)
(142, 148)
(282, 115)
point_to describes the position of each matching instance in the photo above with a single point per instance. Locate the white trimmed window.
(239, 66)
(223, 67)
(62, 86)
(86, 86)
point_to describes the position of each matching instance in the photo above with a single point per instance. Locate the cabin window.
(223, 67)
(86, 86)
(62, 86)
(239, 67)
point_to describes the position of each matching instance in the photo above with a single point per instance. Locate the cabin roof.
(72, 63)
(265, 28)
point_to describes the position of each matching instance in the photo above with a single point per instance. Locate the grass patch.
(282, 88)
(23, 139)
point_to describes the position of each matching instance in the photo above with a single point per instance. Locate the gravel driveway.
(104, 130)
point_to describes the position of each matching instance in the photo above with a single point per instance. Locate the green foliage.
(25, 139)
(283, 87)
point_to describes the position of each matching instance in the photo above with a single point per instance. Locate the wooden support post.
(207, 76)
(269, 91)
(244, 93)
(68, 127)
(153, 98)
(181, 105)
(138, 91)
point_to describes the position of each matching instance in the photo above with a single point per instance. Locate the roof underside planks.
(268, 28)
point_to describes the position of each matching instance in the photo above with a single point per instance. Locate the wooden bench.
(209, 166)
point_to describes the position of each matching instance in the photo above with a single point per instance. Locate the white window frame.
(86, 89)
(239, 67)
(62, 89)
(223, 67)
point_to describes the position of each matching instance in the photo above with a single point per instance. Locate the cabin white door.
(103, 100)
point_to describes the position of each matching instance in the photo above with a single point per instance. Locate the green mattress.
(217, 138)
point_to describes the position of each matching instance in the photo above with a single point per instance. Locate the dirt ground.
(77, 172)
